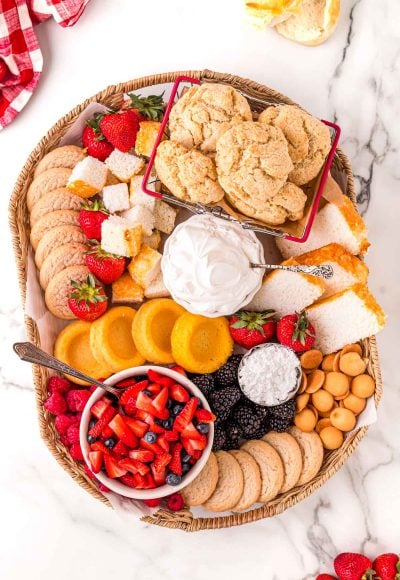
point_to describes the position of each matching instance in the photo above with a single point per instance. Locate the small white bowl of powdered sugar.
(269, 374)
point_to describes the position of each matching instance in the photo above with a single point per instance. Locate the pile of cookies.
(333, 392)
(216, 150)
(257, 472)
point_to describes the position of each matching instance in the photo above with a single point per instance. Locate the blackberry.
(259, 433)
(279, 424)
(233, 435)
(219, 437)
(285, 411)
(249, 419)
(228, 374)
(230, 444)
(205, 383)
(222, 402)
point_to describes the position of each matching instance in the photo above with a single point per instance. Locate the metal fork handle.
(322, 271)
(28, 352)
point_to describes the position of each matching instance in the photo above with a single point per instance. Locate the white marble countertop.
(51, 527)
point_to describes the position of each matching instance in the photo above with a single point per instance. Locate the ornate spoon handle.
(28, 352)
(323, 271)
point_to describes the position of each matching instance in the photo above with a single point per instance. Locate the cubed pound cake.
(88, 177)
(337, 222)
(287, 292)
(126, 291)
(345, 317)
(119, 236)
(348, 269)
(124, 165)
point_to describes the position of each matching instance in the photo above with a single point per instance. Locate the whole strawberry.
(106, 267)
(87, 300)
(94, 140)
(121, 129)
(296, 332)
(249, 329)
(352, 566)
(151, 107)
(91, 216)
(387, 566)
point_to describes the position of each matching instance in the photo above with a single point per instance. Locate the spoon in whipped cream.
(322, 270)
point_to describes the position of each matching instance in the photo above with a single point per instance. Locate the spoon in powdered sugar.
(322, 271)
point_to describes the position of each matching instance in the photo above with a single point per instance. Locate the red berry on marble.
(56, 404)
(152, 502)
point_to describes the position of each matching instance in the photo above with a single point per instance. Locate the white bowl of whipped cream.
(206, 265)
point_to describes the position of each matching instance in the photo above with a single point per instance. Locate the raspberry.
(56, 404)
(175, 502)
(152, 502)
(73, 434)
(58, 384)
(77, 399)
(62, 422)
(76, 452)
(64, 440)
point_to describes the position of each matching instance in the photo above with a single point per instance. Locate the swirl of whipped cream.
(206, 265)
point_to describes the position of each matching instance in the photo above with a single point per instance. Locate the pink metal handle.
(164, 122)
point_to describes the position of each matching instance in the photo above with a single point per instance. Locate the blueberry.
(167, 424)
(173, 479)
(159, 422)
(186, 467)
(176, 409)
(92, 423)
(146, 392)
(91, 439)
(110, 442)
(186, 458)
(170, 404)
(203, 428)
(150, 437)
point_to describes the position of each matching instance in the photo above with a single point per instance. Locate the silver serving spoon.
(28, 352)
(322, 271)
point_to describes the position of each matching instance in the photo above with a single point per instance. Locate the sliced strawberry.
(130, 408)
(132, 392)
(162, 461)
(124, 384)
(139, 428)
(159, 476)
(160, 403)
(151, 484)
(112, 468)
(96, 460)
(200, 443)
(175, 464)
(120, 448)
(188, 446)
(99, 407)
(104, 420)
(156, 428)
(140, 481)
(99, 446)
(171, 435)
(163, 442)
(205, 416)
(179, 370)
(153, 447)
(144, 403)
(123, 432)
(134, 466)
(190, 432)
(107, 432)
(143, 455)
(156, 377)
(197, 454)
(154, 388)
(144, 416)
(179, 393)
(128, 480)
(186, 415)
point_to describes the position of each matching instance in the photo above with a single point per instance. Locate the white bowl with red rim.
(163, 490)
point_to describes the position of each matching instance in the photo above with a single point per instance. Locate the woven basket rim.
(19, 226)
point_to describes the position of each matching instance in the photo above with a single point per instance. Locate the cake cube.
(116, 197)
(153, 241)
(157, 288)
(119, 236)
(88, 177)
(145, 266)
(164, 216)
(126, 290)
(140, 215)
(146, 137)
(124, 165)
(137, 195)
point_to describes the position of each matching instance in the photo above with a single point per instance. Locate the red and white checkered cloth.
(19, 47)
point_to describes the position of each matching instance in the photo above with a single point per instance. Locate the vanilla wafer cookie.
(271, 468)
(229, 487)
(203, 486)
(290, 454)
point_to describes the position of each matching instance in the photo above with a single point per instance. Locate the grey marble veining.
(53, 529)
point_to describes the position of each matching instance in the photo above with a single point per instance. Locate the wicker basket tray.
(19, 224)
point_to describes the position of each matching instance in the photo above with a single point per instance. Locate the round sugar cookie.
(251, 479)
(230, 484)
(270, 465)
(290, 454)
(201, 488)
(312, 453)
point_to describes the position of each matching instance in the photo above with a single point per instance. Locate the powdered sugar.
(269, 374)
